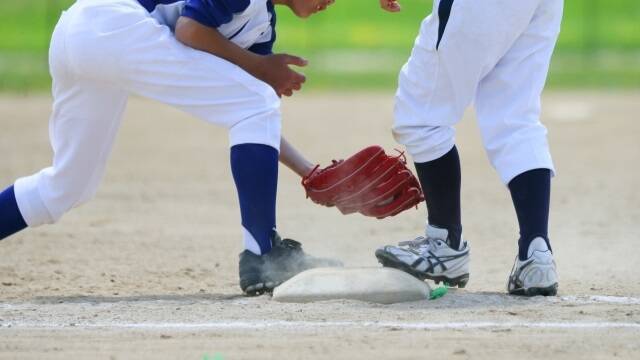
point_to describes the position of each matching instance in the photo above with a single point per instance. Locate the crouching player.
(210, 58)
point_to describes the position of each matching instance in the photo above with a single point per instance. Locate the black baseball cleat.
(262, 273)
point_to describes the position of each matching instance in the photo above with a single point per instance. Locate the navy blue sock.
(531, 193)
(440, 181)
(11, 220)
(255, 172)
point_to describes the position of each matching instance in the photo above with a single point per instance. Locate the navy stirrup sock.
(531, 193)
(255, 172)
(11, 220)
(440, 181)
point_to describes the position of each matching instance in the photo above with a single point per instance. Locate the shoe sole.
(389, 260)
(256, 283)
(260, 288)
(536, 291)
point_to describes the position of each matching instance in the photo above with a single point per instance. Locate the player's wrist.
(255, 65)
(306, 169)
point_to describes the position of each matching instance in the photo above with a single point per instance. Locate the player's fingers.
(393, 8)
(295, 84)
(295, 60)
(299, 78)
(287, 92)
(390, 5)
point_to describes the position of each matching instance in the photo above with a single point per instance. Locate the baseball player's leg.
(221, 93)
(458, 44)
(159, 67)
(118, 42)
(83, 126)
(508, 107)
(531, 194)
(425, 111)
(441, 181)
(85, 118)
(11, 219)
(255, 172)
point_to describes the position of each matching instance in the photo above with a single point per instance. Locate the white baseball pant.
(496, 52)
(102, 51)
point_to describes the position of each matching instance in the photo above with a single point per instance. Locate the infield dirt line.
(57, 316)
(567, 299)
(301, 325)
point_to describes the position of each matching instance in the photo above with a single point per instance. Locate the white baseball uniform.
(495, 53)
(104, 50)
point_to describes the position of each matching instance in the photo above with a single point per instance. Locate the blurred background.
(355, 45)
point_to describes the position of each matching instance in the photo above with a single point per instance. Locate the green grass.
(356, 45)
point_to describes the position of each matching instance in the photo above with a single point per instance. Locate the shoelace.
(420, 242)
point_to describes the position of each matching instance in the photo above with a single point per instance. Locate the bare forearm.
(293, 159)
(203, 38)
(273, 69)
(207, 39)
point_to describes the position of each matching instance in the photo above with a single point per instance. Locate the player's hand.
(275, 71)
(390, 5)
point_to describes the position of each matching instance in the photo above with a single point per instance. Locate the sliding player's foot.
(262, 273)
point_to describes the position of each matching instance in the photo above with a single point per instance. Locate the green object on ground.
(438, 292)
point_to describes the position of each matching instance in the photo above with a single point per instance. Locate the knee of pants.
(45, 197)
(263, 125)
(423, 142)
(519, 152)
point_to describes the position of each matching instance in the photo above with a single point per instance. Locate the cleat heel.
(462, 283)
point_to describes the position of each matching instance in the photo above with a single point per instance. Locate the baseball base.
(377, 285)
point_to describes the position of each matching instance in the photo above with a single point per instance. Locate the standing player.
(210, 58)
(496, 54)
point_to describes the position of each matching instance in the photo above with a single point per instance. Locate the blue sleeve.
(265, 48)
(213, 13)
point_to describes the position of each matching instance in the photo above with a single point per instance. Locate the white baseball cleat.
(537, 275)
(429, 257)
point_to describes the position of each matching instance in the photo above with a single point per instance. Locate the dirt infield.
(149, 268)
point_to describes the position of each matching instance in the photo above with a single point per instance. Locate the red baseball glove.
(369, 182)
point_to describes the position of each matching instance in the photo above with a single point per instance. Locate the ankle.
(11, 220)
(451, 234)
(530, 244)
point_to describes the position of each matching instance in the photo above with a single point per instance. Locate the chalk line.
(234, 324)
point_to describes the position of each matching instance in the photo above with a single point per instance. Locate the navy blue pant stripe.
(444, 10)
